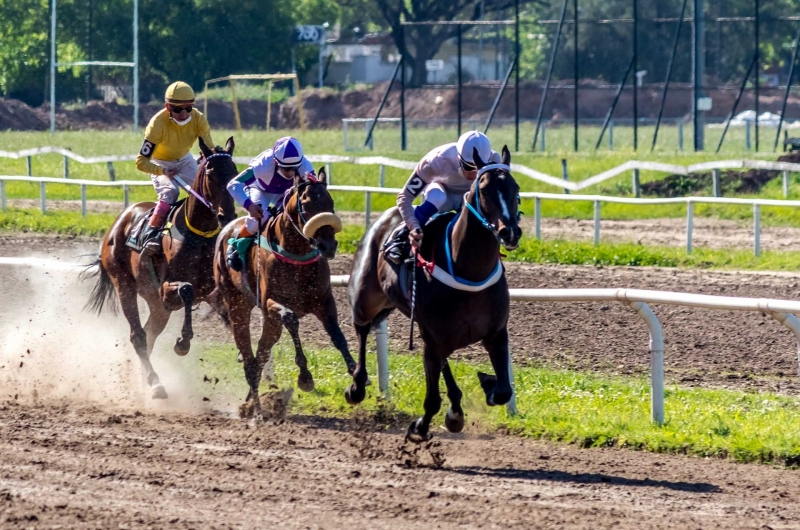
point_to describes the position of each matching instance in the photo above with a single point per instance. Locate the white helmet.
(468, 142)
(288, 152)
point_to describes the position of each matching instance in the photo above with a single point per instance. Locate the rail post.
(689, 225)
(596, 223)
(757, 229)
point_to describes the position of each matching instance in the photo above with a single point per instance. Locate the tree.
(421, 43)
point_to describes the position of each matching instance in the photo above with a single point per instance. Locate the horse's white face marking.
(503, 205)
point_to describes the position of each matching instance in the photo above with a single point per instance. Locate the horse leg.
(418, 431)
(270, 333)
(357, 391)
(454, 419)
(156, 322)
(329, 318)
(239, 313)
(497, 387)
(305, 381)
(182, 345)
(130, 308)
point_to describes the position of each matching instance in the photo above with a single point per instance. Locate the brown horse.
(461, 291)
(287, 275)
(176, 278)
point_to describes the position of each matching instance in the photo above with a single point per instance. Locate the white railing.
(783, 311)
(633, 165)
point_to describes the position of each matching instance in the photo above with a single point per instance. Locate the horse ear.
(297, 181)
(477, 159)
(322, 176)
(204, 148)
(229, 146)
(506, 155)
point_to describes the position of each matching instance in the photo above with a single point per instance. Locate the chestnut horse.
(287, 276)
(176, 278)
(461, 291)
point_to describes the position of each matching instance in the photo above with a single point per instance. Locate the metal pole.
(689, 225)
(656, 360)
(499, 96)
(610, 135)
(758, 66)
(716, 177)
(669, 74)
(382, 176)
(321, 42)
(83, 200)
(680, 134)
(788, 89)
(757, 229)
(575, 72)
(126, 195)
(549, 72)
(111, 174)
(596, 223)
(269, 109)
(382, 347)
(635, 76)
(403, 143)
(614, 104)
(537, 215)
(28, 165)
(699, 51)
(747, 143)
(135, 65)
(785, 184)
(460, 80)
(564, 173)
(43, 197)
(53, 67)
(3, 195)
(367, 209)
(66, 167)
(516, 75)
(736, 103)
(637, 190)
(380, 107)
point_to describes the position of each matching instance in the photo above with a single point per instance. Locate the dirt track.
(185, 464)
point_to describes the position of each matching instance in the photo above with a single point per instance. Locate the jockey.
(170, 135)
(263, 184)
(443, 176)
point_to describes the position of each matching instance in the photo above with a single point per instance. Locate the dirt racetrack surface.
(81, 466)
(82, 448)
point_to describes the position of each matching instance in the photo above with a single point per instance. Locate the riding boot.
(152, 237)
(237, 246)
(397, 248)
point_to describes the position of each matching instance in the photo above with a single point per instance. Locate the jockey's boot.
(397, 247)
(236, 247)
(152, 236)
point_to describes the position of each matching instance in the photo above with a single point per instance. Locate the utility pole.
(699, 53)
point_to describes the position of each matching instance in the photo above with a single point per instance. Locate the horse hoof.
(182, 346)
(306, 384)
(159, 392)
(354, 395)
(414, 436)
(454, 421)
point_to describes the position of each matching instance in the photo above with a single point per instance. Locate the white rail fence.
(634, 166)
(783, 311)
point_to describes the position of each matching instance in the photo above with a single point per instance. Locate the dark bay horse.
(176, 278)
(287, 276)
(461, 291)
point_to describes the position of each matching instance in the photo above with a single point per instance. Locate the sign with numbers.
(309, 34)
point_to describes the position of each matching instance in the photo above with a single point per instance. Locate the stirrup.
(233, 259)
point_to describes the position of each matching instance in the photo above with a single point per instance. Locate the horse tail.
(103, 290)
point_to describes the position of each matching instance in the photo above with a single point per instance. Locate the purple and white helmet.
(288, 152)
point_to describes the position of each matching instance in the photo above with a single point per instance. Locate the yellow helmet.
(179, 93)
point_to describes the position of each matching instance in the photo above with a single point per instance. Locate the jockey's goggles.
(178, 109)
(466, 166)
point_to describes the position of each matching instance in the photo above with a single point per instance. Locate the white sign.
(309, 34)
(434, 64)
(704, 104)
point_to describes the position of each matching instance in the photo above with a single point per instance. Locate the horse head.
(499, 198)
(314, 210)
(216, 170)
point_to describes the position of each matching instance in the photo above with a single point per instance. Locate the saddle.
(135, 237)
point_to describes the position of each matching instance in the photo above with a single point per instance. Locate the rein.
(286, 196)
(188, 189)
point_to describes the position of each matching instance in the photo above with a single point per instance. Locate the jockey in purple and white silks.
(263, 184)
(443, 176)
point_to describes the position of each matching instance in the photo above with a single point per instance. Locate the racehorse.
(462, 305)
(286, 274)
(179, 276)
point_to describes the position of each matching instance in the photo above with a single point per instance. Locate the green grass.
(583, 409)
(249, 143)
(530, 250)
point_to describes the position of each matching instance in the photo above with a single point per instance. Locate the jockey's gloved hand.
(415, 238)
(255, 211)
